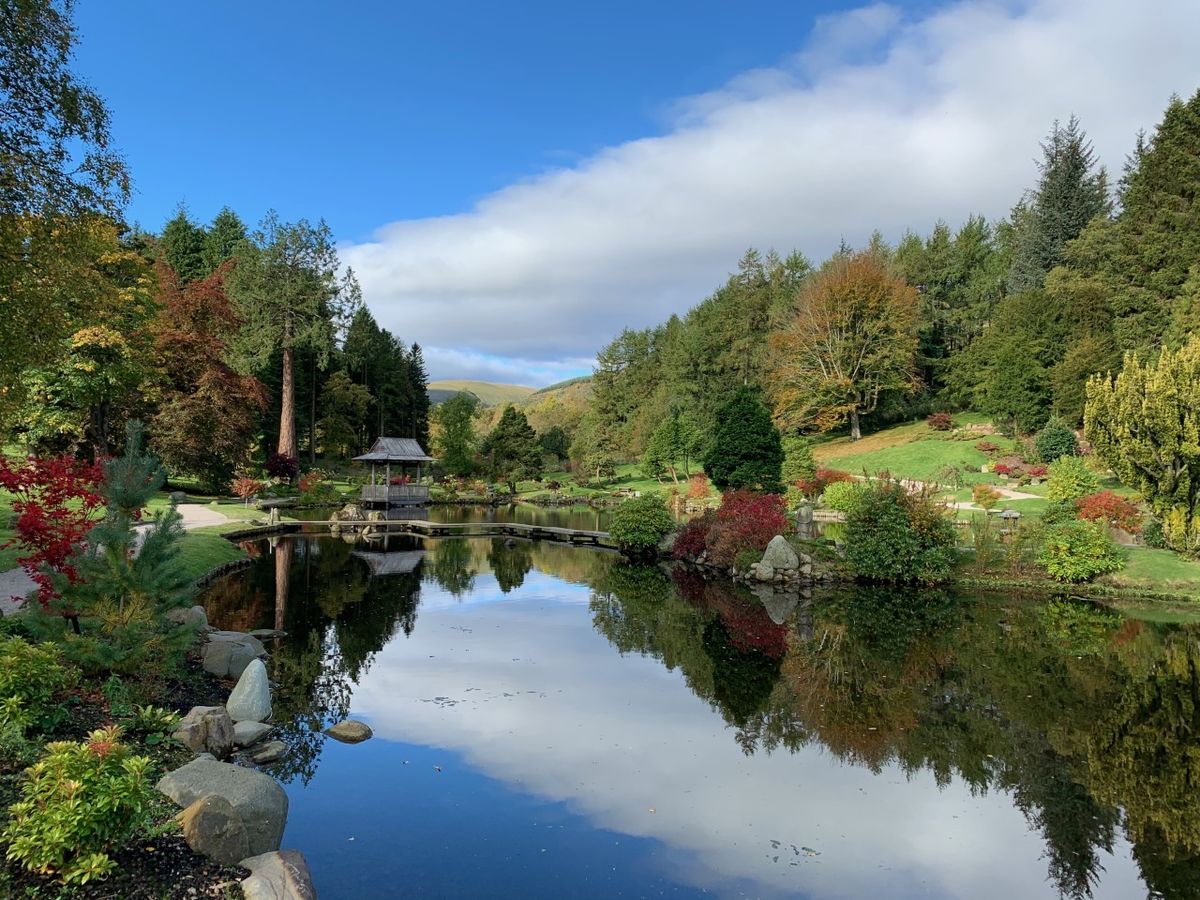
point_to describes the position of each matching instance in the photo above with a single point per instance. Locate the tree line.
(1010, 317)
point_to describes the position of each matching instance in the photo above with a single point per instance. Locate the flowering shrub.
(815, 486)
(1110, 509)
(697, 488)
(246, 488)
(283, 467)
(940, 421)
(745, 521)
(55, 500)
(692, 539)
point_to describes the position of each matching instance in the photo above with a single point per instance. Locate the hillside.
(490, 394)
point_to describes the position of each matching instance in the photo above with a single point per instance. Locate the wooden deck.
(495, 529)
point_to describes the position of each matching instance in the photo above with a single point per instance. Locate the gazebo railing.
(395, 493)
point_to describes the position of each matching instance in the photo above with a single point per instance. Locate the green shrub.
(79, 801)
(1069, 478)
(1056, 439)
(32, 678)
(640, 523)
(1152, 534)
(843, 495)
(153, 723)
(798, 461)
(894, 535)
(985, 496)
(746, 558)
(1078, 551)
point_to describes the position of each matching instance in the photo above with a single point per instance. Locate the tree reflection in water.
(1088, 720)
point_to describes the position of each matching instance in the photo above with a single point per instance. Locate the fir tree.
(222, 238)
(746, 451)
(183, 246)
(511, 449)
(1072, 190)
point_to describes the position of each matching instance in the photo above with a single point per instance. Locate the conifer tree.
(511, 449)
(183, 245)
(1071, 191)
(746, 450)
(221, 239)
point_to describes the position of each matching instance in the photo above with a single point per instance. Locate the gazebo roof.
(392, 449)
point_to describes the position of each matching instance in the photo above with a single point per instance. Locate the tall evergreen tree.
(182, 243)
(746, 450)
(511, 450)
(222, 238)
(418, 384)
(290, 293)
(1072, 190)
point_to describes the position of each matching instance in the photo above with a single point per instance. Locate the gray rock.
(258, 799)
(206, 729)
(250, 700)
(762, 571)
(350, 732)
(212, 827)
(246, 734)
(193, 615)
(227, 653)
(270, 752)
(266, 633)
(779, 604)
(282, 875)
(780, 555)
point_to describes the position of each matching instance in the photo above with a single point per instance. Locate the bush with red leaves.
(55, 501)
(692, 539)
(283, 467)
(940, 421)
(1110, 509)
(814, 487)
(987, 447)
(745, 521)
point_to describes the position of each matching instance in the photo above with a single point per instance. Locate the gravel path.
(15, 584)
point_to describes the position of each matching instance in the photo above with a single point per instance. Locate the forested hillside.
(1008, 317)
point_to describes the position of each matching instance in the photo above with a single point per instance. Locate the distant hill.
(561, 386)
(488, 393)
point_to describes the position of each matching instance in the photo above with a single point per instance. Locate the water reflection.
(907, 730)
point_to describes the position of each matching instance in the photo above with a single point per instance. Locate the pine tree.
(126, 586)
(418, 387)
(511, 449)
(1071, 191)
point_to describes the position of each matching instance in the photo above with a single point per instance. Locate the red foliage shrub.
(1036, 471)
(55, 500)
(987, 447)
(697, 488)
(1107, 507)
(245, 487)
(940, 421)
(283, 467)
(692, 539)
(401, 479)
(814, 487)
(309, 480)
(745, 521)
(1002, 469)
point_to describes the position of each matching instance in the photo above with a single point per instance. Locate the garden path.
(15, 584)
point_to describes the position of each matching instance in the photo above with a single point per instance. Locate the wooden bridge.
(493, 529)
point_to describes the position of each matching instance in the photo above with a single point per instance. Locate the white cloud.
(879, 122)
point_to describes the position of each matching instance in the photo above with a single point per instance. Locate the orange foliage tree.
(852, 336)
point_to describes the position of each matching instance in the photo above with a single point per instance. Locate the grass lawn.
(203, 549)
(628, 476)
(1157, 570)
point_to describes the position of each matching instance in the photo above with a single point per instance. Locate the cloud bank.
(880, 121)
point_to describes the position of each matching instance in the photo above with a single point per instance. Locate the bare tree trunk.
(287, 413)
(855, 430)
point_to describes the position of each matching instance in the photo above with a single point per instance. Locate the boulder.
(266, 633)
(779, 604)
(213, 828)
(227, 653)
(246, 734)
(350, 732)
(257, 798)
(250, 700)
(193, 615)
(270, 752)
(762, 571)
(780, 555)
(206, 729)
(281, 875)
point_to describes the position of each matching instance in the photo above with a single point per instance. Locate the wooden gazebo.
(406, 456)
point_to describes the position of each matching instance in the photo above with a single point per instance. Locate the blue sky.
(514, 183)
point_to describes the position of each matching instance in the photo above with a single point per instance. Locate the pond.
(579, 516)
(550, 722)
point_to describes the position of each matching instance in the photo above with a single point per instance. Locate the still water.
(552, 722)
